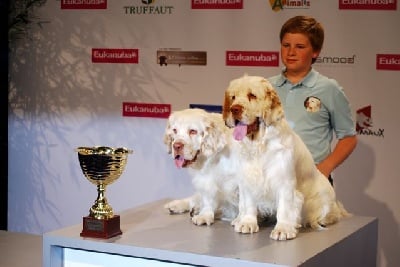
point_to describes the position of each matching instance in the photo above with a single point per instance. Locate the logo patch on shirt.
(312, 104)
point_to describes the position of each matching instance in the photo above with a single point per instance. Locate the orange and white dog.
(277, 175)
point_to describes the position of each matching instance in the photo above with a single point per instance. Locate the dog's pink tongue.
(240, 131)
(179, 160)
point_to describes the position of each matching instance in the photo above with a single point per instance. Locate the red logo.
(252, 58)
(364, 119)
(368, 5)
(217, 4)
(364, 123)
(146, 110)
(106, 55)
(83, 4)
(387, 62)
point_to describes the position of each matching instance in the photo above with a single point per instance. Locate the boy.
(315, 106)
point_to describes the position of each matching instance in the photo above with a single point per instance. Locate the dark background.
(4, 114)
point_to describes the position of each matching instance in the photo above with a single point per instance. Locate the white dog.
(278, 176)
(201, 142)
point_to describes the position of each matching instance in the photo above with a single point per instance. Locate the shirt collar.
(308, 81)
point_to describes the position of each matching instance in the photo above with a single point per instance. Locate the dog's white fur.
(200, 141)
(278, 175)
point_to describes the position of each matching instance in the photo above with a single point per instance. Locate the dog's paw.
(246, 225)
(177, 206)
(283, 232)
(203, 218)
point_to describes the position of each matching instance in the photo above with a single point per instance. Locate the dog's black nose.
(178, 146)
(236, 110)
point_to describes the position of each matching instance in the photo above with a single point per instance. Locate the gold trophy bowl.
(102, 166)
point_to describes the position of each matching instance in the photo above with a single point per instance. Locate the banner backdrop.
(109, 72)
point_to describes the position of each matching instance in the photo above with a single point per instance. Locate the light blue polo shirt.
(315, 108)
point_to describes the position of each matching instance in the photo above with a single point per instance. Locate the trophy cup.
(102, 166)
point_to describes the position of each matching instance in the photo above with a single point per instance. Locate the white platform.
(150, 233)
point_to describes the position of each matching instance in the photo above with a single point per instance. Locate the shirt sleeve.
(341, 117)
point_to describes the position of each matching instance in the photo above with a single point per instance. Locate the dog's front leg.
(184, 205)
(287, 215)
(246, 222)
(209, 203)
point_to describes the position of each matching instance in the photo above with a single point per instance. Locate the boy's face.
(297, 53)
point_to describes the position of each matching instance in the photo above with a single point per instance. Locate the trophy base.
(101, 228)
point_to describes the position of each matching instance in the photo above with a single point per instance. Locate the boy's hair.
(308, 26)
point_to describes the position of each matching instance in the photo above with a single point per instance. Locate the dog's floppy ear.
(274, 111)
(167, 137)
(214, 138)
(226, 106)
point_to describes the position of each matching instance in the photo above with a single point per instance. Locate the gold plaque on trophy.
(102, 166)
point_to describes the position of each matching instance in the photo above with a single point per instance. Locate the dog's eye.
(174, 130)
(192, 132)
(233, 97)
(251, 96)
